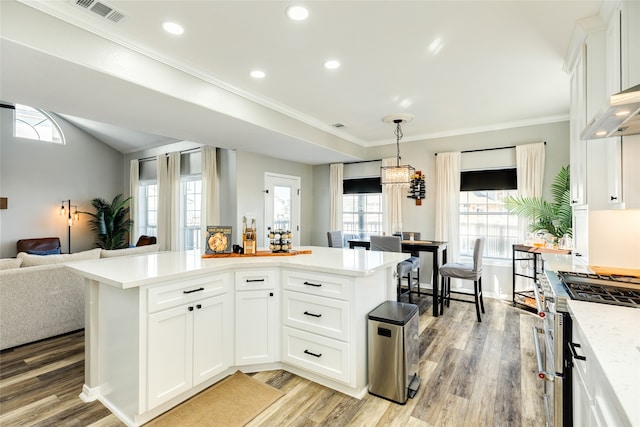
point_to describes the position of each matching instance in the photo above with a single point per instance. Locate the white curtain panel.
(530, 175)
(210, 213)
(173, 172)
(392, 203)
(335, 188)
(164, 200)
(134, 174)
(447, 198)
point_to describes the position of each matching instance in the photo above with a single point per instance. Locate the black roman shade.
(493, 179)
(362, 185)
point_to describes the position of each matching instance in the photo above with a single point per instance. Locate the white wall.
(36, 176)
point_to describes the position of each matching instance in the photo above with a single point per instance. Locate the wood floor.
(473, 374)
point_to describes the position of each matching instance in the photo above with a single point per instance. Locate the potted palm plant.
(111, 222)
(551, 217)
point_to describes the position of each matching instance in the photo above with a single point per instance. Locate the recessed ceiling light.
(258, 74)
(297, 13)
(601, 133)
(332, 64)
(173, 28)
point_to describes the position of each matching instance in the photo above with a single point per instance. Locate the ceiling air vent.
(101, 8)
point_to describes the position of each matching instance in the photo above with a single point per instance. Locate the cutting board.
(258, 253)
(607, 271)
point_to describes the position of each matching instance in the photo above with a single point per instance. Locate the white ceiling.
(499, 64)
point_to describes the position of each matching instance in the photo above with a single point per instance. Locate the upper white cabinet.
(603, 60)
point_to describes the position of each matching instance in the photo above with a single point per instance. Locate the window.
(361, 208)
(482, 211)
(35, 124)
(148, 208)
(191, 193)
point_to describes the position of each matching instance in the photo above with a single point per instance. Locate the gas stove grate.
(606, 294)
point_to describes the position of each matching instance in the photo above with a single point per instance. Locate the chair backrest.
(386, 243)
(146, 240)
(39, 244)
(335, 239)
(477, 254)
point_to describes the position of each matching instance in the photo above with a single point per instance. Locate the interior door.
(282, 205)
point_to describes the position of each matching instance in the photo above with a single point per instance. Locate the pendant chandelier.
(398, 174)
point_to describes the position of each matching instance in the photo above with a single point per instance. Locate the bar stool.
(465, 272)
(405, 268)
(335, 239)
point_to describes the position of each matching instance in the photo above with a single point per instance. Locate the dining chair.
(335, 239)
(464, 271)
(405, 268)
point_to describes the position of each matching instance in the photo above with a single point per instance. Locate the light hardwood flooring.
(473, 374)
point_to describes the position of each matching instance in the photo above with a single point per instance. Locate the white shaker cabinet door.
(257, 326)
(212, 339)
(170, 354)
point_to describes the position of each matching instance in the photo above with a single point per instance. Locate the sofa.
(41, 298)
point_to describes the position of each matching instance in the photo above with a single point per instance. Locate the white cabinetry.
(188, 336)
(577, 147)
(316, 320)
(594, 404)
(257, 316)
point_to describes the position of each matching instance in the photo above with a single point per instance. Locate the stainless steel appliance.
(555, 358)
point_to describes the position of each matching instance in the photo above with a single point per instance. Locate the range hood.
(622, 116)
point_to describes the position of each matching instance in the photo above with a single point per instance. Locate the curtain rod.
(147, 159)
(491, 149)
(362, 161)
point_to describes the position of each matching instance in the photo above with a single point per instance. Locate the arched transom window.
(35, 124)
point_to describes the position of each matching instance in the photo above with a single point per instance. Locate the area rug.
(233, 401)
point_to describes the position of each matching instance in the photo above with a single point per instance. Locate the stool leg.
(448, 292)
(475, 294)
(481, 300)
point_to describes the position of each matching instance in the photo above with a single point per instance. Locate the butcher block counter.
(162, 327)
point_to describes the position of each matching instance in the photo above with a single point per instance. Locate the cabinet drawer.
(249, 280)
(317, 284)
(323, 356)
(320, 315)
(180, 292)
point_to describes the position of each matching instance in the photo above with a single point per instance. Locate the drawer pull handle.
(312, 354)
(254, 280)
(613, 198)
(193, 290)
(574, 353)
(313, 315)
(317, 285)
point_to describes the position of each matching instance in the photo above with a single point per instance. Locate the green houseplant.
(553, 217)
(111, 222)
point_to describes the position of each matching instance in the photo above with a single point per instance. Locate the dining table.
(414, 247)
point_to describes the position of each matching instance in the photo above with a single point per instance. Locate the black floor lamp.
(70, 218)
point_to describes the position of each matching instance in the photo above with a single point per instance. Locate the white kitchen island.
(162, 327)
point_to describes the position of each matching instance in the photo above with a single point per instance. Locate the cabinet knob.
(270, 294)
(199, 306)
(613, 198)
(574, 201)
(190, 308)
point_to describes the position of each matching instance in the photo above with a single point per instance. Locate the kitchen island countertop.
(134, 271)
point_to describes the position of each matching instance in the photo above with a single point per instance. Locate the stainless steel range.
(555, 359)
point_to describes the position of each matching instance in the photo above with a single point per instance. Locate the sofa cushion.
(105, 253)
(55, 251)
(7, 263)
(29, 260)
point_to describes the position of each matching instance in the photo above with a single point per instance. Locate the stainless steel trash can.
(393, 351)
